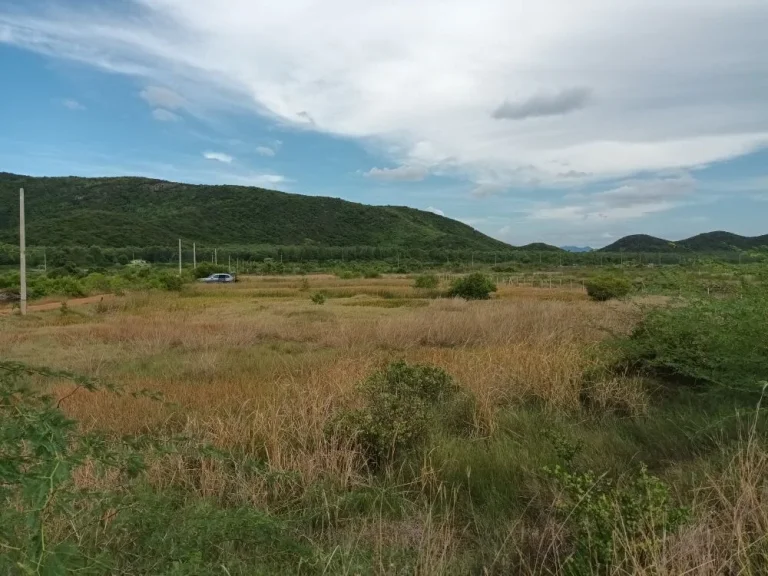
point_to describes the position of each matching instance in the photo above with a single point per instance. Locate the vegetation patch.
(604, 288)
(401, 406)
(718, 341)
(392, 303)
(475, 286)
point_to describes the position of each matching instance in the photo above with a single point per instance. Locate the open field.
(251, 375)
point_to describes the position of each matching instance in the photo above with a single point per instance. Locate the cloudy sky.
(564, 121)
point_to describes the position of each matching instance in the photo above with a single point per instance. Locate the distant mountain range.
(718, 241)
(577, 248)
(141, 212)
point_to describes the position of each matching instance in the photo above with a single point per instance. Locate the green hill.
(701, 243)
(541, 247)
(118, 212)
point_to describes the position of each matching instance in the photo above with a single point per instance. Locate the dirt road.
(57, 304)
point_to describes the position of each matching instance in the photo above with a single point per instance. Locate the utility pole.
(216, 256)
(179, 256)
(194, 256)
(22, 255)
(45, 262)
(229, 266)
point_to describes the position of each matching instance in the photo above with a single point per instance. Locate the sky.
(560, 121)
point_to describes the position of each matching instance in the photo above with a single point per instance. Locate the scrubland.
(204, 436)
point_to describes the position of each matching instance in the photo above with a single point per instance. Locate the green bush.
(604, 288)
(401, 405)
(720, 341)
(68, 269)
(426, 281)
(318, 298)
(604, 515)
(348, 274)
(476, 286)
(171, 282)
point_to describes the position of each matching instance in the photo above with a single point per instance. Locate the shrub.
(171, 282)
(715, 341)
(318, 298)
(348, 274)
(68, 269)
(401, 405)
(475, 286)
(604, 288)
(371, 274)
(426, 281)
(604, 515)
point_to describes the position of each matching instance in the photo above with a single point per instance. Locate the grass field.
(251, 375)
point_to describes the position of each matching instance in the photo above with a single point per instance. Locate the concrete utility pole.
(229, 266)
(45, 262)
(179, 256)
(22, 255)
(194, 256)
(216, 256)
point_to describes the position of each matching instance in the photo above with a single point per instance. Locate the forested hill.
(117, 212)
(708, 242)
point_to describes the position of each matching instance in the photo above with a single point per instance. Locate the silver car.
(215, 278)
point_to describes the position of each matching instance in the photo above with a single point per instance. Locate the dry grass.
(258, 370)
(238, 370)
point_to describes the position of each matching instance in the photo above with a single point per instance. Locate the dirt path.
(56, 305)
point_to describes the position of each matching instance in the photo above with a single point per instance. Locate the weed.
(318, 298)
(601, 513)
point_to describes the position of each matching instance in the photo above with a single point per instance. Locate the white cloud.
(632, 199)
(483, 190)
(426, 77)
(260, 180)
(401, 173)
(162, 115)
(435, 211)
(72, 104)
(265, 151)
(159, 97)
(218, 157)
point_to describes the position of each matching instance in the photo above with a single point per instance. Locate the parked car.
(215, 278)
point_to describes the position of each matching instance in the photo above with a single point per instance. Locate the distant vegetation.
(119, 212)
(710, 242)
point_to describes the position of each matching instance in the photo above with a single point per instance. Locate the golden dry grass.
(240, 370)
(257, 369)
